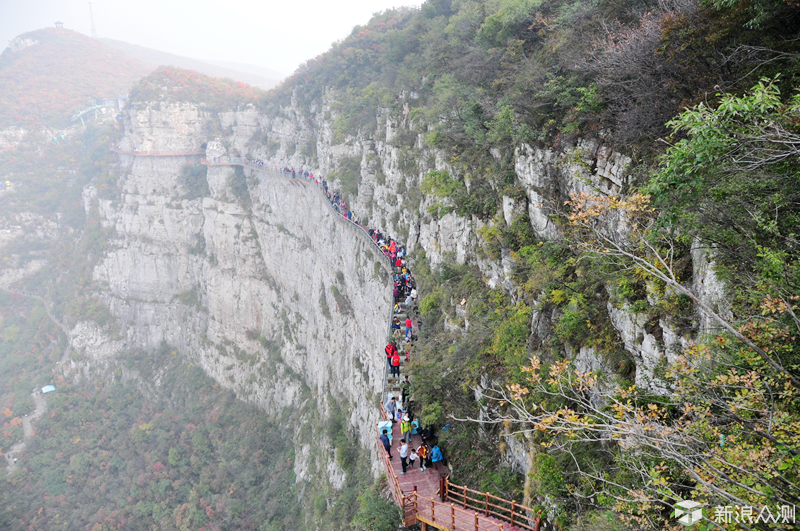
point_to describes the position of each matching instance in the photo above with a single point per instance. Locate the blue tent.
(48, 388)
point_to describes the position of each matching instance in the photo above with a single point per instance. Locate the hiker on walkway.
(396, 326)
(396, 364)
(406, 387)
(412, 457)
(424, 457)
(436, 455)
(408, 301)
(387, 444)
(391, 408)
(403, 454)
(409, 325)
(405, 428)
(390, 350)
(428, 433)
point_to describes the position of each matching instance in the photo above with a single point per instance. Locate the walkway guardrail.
(139, 153)
(490, 505)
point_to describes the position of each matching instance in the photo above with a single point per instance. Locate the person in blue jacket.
(387, 444)
(436, 455)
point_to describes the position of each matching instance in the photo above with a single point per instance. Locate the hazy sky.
(275, 34)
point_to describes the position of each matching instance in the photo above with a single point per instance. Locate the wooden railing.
(449, 515)
(397, 492)
(509, 511)
(139, 153)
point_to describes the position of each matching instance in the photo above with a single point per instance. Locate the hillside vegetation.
(169, 83)
(44, 83)
(193, 457)
(703, 97)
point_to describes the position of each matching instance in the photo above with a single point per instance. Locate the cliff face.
(268, 292)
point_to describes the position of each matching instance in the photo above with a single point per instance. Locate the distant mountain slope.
(46, 74)
(260, 77)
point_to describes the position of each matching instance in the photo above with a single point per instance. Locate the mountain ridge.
(223, 69)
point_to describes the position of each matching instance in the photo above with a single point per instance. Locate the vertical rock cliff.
(262, 286)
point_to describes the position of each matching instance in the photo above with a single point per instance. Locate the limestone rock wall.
(164, 127)
(271, 294)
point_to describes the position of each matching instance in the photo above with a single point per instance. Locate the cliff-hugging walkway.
(425, 497)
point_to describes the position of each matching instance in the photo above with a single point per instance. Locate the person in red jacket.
(390, 350)
(409, 324)
(396, 364)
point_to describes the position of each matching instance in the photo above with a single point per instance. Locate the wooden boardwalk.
(137, 153)
(429, 499)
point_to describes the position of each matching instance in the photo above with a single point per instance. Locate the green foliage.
(357, 109)
(431, 414)
(479, 199)
(237, 182)
(732, 182)
(194, 456)
(193, 180)
(510, 342)
(548, 474)
(323, 304)
(348, 173)
(50, 178)
(30, 344)
(511, 20)
(759, 12)
(345, 443)
(376, 509)
(188, 297)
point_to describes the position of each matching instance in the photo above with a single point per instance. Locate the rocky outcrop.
(164, 127)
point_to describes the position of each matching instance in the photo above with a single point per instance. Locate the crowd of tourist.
(404, 293)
